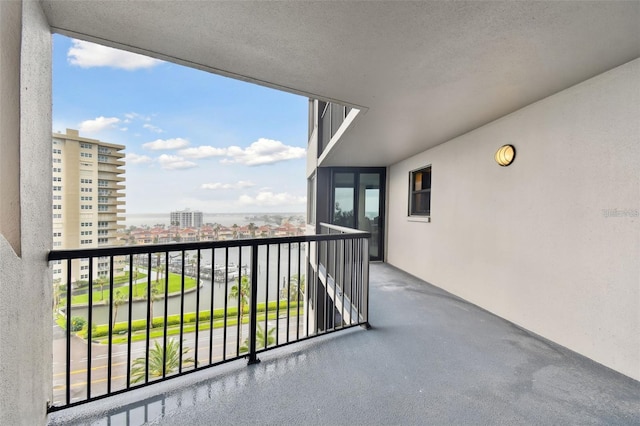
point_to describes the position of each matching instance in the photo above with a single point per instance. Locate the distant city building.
(186, 219)
(88, 206)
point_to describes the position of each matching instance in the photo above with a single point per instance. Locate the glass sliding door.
(369, 210)
(343, 199)
(358, 202)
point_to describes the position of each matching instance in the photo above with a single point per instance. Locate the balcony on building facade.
(109, 167)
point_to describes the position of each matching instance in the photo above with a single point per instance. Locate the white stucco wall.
(25, 282)
(10, 25)
(532, 242)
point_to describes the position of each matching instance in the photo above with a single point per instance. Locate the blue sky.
(193, 139)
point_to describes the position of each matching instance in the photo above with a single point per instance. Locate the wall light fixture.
(505, 155)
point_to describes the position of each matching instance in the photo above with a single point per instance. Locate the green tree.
(157, 361)
(262, 340)
(135, 279)
(296, 287)
(155, 296)
(193, 261)
(101, 281)
(119, 299)
(252, 229)
(241, 291)
(159, 268)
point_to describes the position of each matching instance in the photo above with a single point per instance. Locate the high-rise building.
(186, 219)
(88, 206)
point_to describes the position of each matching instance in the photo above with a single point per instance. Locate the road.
(119, 359)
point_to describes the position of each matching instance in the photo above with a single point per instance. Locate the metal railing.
(166, 310)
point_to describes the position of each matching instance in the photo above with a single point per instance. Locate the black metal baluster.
(226, 302)
(129, 316)
(365, 286)
(288, 289)
(240, 298)
(68, 333)
(90, 322)
(266, 297)
(336, 281)
(197, 307)
(253, 310)
(359, 272)
(315, 288)
(213, 274)
(308, 276)
(298, 289)
(110, 327)
(165, 315)
(149, 319)
(354, 295)
(181, 312)
(278, 300)
(344, 279)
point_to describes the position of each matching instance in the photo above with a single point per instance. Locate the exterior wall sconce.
(505, 155)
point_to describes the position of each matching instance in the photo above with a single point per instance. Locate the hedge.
(141, 324)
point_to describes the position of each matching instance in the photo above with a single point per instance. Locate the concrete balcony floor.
(430, 358)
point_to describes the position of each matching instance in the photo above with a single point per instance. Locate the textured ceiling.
(423, 72)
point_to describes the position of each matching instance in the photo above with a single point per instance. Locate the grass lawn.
(139, 290)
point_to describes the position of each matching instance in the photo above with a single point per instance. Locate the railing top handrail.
(347, 234)
(342, 229)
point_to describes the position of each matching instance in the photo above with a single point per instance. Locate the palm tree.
(296, 287)
(252, 229)
(192, 264)
(155, 296)
(101, 281)
(159, 267)
(157, 361)
(118, 300)
(241, 292)
(235, 230)
(262, 340)
(135, 280)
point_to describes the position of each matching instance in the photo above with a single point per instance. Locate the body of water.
(275, 277)
(225, 219)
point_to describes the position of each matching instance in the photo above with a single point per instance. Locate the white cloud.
(160, 144)
(203, 152)
(97, 124)
(124, 129)
(270, 199)
(89, 55)
(132, 158)
(238, 185)
(152, 128)
(130, 116)
(266, 151)
(263, 151)
(174, 162)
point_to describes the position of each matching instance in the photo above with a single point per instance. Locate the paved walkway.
(430, 358)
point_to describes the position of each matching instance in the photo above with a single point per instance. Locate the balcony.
(109, 167)
(213, 302)
(430, 358)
